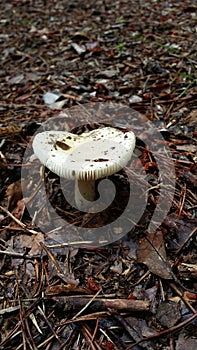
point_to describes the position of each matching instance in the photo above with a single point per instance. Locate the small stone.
(135, 99)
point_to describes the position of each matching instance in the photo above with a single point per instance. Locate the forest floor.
(76, 65)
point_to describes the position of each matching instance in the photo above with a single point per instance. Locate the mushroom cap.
(89, 156)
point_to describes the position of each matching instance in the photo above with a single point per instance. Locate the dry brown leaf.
(31, 242)
(151, 252)
(168, 313)
(19, 209)
(64, 289)
(185, 341)
(14, 193)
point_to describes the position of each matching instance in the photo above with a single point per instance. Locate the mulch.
(138, 290)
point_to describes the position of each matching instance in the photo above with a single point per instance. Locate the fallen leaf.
(92, 285)
(190, 296)
(168, 313)
(151, 252)
(65, 289)
(80, 35)
(109, 73)
(50, 97)
(135, 99)
(117, 267)
(30, 242)
(79, 48)
(19, 209)
(16, 80)
(185, 341)
(108, 345)
(14, 193)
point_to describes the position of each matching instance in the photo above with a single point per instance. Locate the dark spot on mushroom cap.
(100, 160)
(62, 145)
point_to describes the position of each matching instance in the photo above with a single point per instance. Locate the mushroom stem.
(84, 193)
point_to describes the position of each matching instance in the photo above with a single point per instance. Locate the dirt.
(83, 65)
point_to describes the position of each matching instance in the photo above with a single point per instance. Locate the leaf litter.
(126, 295)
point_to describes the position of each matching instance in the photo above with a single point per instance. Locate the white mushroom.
(84, 158)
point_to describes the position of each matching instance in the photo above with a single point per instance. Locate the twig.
(21, 313)
(186, 240)
(131, 330)
(17, 220)
(12, 217)
(30, 336)
(72, 97)
(107, 337)
(175, 288)
(166, 331)
(19, 255)
(75, 302)
(9, 309)
(182, 201)
(89, 338)
(89, 317)
(95, 329)
(49, 324)
(14, 105)
(86, 305)
(12, 333)
(53, 260)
